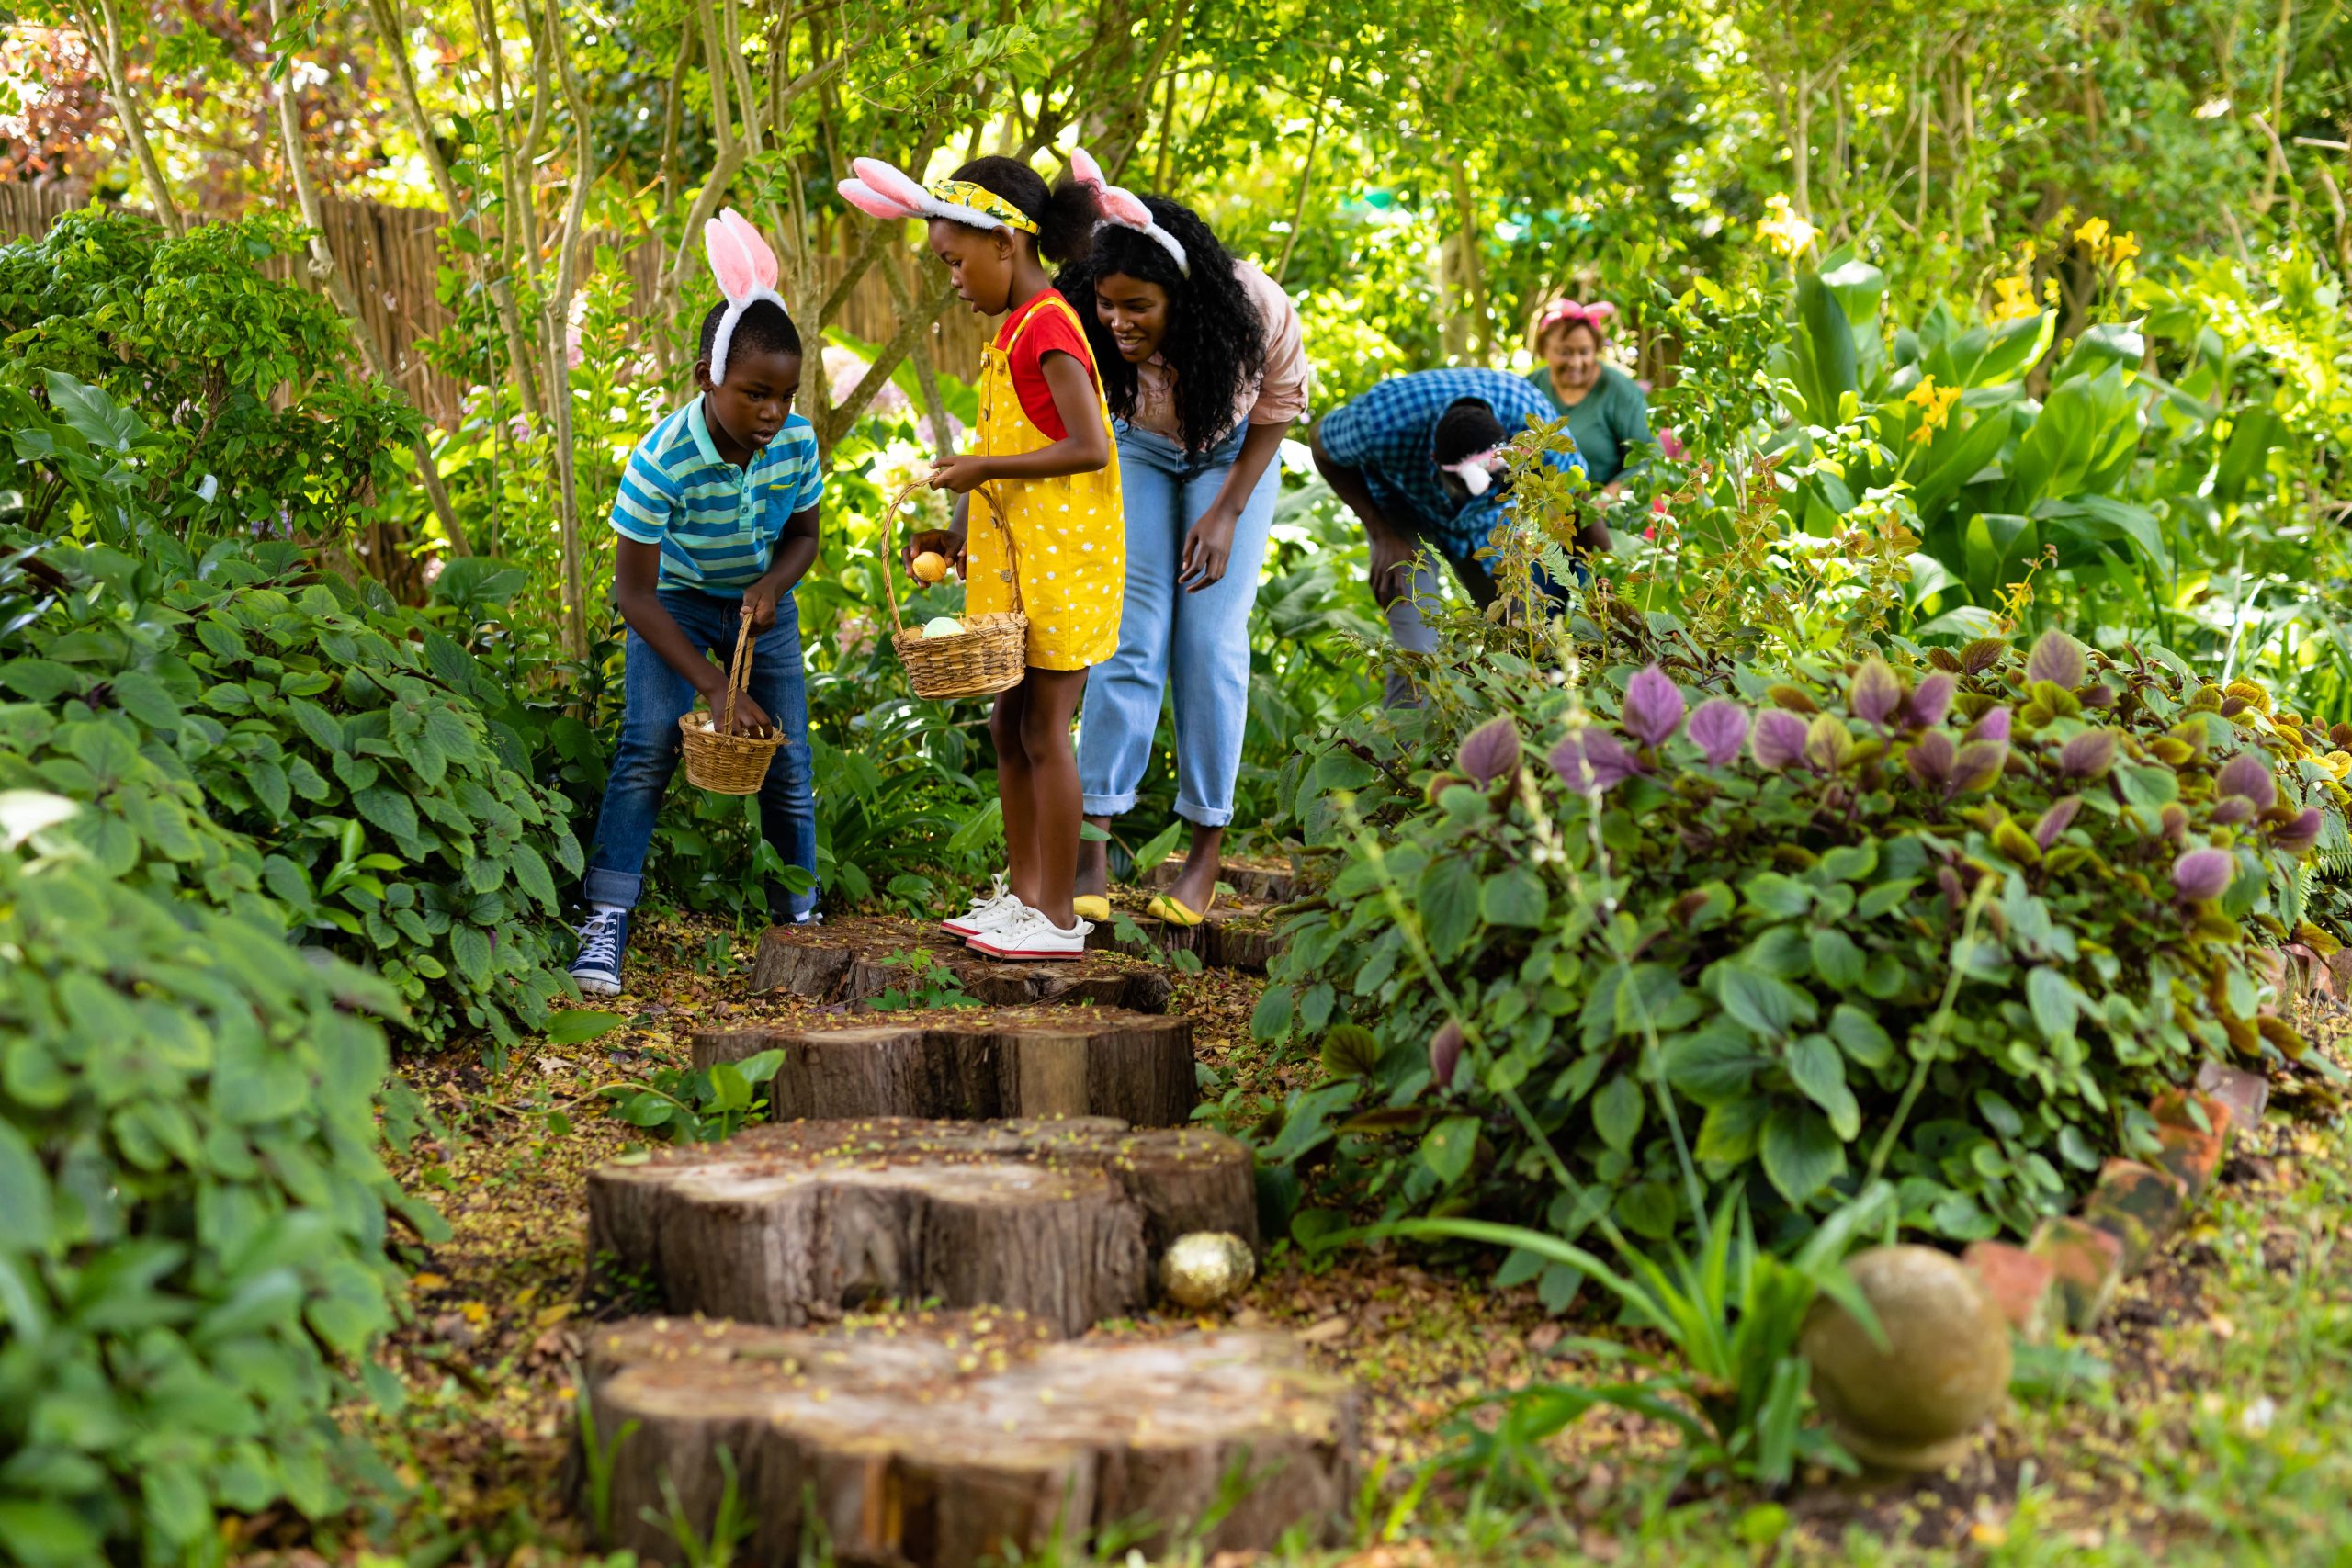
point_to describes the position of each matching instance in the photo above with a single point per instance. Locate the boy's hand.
(1392, 564)
(746, 717)
(963, 472)
(947, 542)
(759, 605)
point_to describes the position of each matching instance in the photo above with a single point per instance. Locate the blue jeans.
(1197, 644)
(655, 697)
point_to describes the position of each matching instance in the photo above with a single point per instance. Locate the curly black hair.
(1215, 341)
(1467, 426)
(1064, 212)
(761, 329)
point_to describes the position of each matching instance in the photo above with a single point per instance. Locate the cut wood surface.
(1231, 938)
(946, 1441)
(981, 1063)
(857, 960)
(799, 1221)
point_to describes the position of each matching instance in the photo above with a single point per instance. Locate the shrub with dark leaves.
(1952, 925)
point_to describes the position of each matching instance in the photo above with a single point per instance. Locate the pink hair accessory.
(1124, 210)
(1597, 316)
(1473, 471)
(745, 270)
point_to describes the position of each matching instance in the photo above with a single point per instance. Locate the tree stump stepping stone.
(947, 1441)
(978, 1064)
(1254, 882)
(857, 961)
(1230, 937)
(796, 1223)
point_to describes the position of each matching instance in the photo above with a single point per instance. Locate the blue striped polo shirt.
(716, 524)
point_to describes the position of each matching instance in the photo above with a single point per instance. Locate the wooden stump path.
(949, 1440)
(981, 1065)
(857, 965)
(799, 1221)
(1014, 1169)
(1241, 932)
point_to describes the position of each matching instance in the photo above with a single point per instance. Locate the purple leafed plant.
(1491, 751)
(2056, 820)
(2058, 659)
(1720, 727)
(1595, 760)
(2298, 836)
(1930, 701)
(2087, 755)
(1875, 692)
(1778, 740)
(2248, 775)
(2203, 873)
(1653, 707)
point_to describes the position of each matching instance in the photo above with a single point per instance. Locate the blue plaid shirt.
(1389, 435)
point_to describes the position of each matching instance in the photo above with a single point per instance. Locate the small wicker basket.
(989, 655)
(717, 760)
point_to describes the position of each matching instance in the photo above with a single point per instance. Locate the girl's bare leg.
(1007, 723)
(1051, 781)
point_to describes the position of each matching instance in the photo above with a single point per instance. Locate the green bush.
(230, 403)
(192, 1213)
(1953, 927)
(288, 745)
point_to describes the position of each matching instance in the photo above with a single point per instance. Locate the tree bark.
(896, 1432)
(853, 963)
(558, 327)
(104, 33)
(1046, 1061)
(796, 1223)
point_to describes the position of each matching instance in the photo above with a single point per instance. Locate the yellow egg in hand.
(929, 566)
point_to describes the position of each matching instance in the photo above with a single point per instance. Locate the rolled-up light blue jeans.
(655, 698)
(1192, 648)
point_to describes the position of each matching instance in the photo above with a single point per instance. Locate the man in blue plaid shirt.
(1413, 458)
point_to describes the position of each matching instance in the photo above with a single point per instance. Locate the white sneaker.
(1030, 934)
(995, 903)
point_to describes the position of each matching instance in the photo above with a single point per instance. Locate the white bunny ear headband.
(1477, 476)
(745, 269)
(1124, 210)
(882, 191)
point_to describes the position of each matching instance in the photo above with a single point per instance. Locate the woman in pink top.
(1205, 373)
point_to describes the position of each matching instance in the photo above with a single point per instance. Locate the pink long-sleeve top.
(1279, 394)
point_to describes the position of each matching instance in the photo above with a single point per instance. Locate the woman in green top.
(1606, 413)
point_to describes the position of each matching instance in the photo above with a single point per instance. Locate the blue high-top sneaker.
(604, 940)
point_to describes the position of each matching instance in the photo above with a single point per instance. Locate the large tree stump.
(1040, 1061)
(944, 1440)
(799, 1221)
(1243, 939)
(859, 960)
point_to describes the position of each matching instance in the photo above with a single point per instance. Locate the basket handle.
(739, 675)
(891, 539)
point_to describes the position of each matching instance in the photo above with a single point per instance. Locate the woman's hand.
(1208, 547)
(963, 472)
(947, 542)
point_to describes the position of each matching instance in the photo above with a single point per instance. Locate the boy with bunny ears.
(717, 521)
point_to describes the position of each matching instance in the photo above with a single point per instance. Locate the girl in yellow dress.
(1044, 465)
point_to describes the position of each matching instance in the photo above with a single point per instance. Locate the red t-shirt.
(1054, 330)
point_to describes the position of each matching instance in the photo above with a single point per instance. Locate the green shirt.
(1614, 416)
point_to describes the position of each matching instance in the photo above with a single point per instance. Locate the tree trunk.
(1048, 1061)
(796, 1223)
(104, 34)
(853, 962)
(949, 1440)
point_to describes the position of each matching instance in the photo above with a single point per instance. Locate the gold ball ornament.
(1206, 1268)
(931, 566)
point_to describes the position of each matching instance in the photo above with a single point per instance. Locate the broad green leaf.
(2052, 998)
(1514, 896)
(1819, 1073)
(1767, 1006)
(1447, 1147)
(1801, 1154)
(1617, 1111)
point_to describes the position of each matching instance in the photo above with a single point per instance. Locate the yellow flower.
(2014, 297)
(1925, 434)
(1924, 394)
(2093, 234)
(2121, 249)
(1782, 228)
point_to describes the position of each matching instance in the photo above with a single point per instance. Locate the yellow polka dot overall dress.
(1069, 547)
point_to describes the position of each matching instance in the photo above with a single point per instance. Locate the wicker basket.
(717, 760)
(989, 655)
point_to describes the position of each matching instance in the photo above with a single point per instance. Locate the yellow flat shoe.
(1091, 907)
(1167, 906)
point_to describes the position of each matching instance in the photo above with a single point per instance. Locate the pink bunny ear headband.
(745, 269)
(1477, 476)
(1596, 316)
(881, 191)
(1124, 210)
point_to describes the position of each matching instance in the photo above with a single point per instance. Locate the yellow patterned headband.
(982, 201)
(884, 192)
